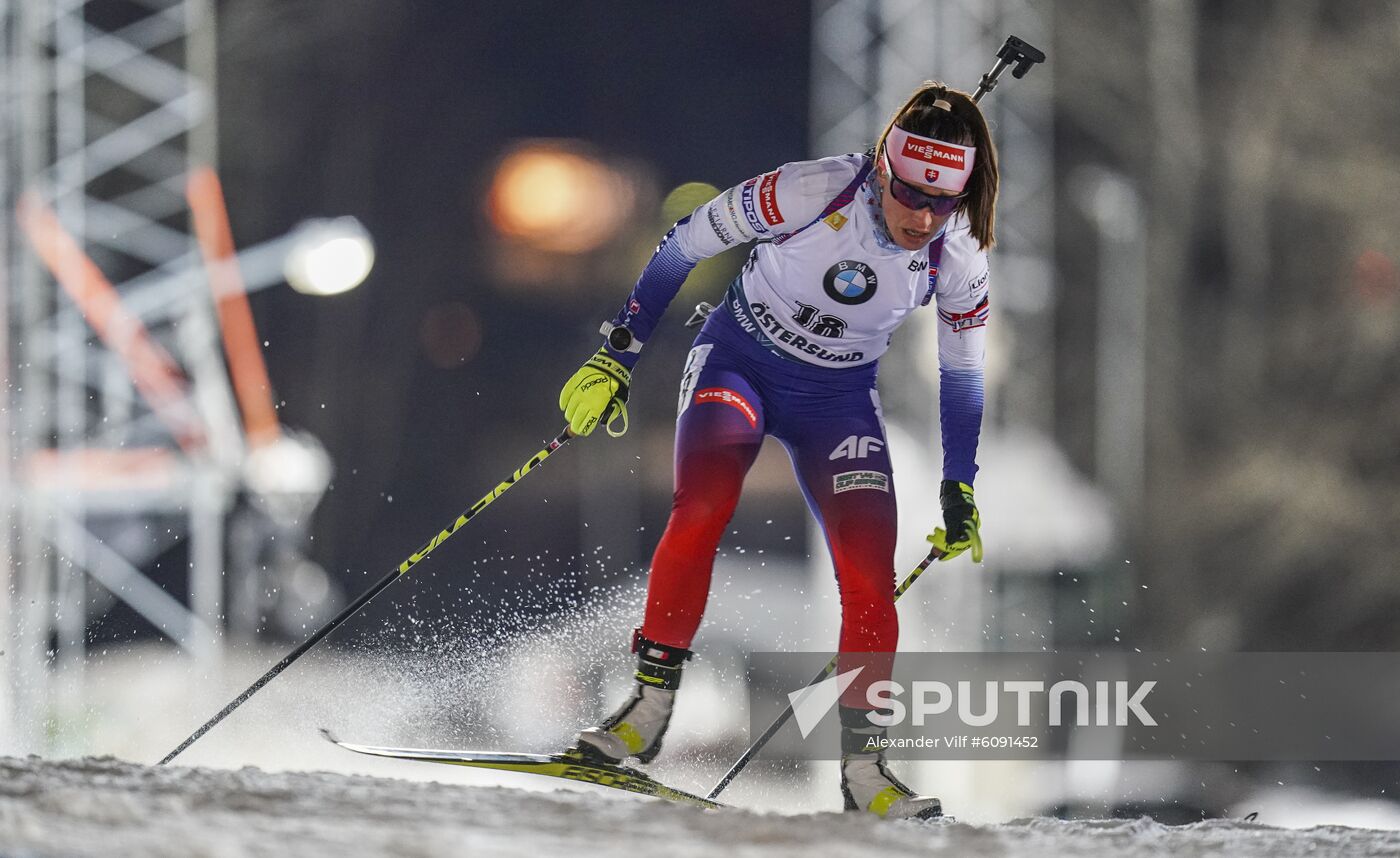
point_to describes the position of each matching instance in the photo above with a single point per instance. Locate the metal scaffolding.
(123, 435)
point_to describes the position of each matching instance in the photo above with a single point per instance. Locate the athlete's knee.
(698, 519)
(867, 610)
(869, 620)
(702, 508)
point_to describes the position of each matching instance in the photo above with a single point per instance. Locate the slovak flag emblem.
(930, 176)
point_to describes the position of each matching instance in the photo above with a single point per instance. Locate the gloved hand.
(598, 391)
(962, 521)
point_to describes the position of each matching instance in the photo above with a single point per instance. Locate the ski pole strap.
(618, 372)
(617, 412)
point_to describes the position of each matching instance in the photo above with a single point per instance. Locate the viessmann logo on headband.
(934, 153)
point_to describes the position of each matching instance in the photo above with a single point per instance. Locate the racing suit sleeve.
(962, 337)
(764, 207)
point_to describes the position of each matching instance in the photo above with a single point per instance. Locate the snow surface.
(101, 806)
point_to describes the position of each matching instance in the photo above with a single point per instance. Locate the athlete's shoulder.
(770, 204)
(823, 178)
(793, 195)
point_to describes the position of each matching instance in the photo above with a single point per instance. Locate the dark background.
(396, 114)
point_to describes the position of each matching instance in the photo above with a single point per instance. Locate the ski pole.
(398, 572)
(782, 719)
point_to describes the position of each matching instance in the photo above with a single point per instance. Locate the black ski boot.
(866, 783)
(636, 729)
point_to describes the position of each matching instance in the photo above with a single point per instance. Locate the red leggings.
(835, 436)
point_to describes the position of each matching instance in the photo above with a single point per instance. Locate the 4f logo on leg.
(819, 323)
(856, 447)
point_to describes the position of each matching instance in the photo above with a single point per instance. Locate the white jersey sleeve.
(764, 207)
(962, 296)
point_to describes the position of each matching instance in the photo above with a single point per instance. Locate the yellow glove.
(962, 520)
(598, 391)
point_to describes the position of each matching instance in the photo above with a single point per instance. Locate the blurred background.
(290, 283)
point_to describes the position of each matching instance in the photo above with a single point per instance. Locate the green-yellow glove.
(598, 391)
(962, 521)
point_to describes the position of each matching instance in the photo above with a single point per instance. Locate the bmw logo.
(850, 282)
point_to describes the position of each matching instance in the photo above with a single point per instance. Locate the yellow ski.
(570, 766)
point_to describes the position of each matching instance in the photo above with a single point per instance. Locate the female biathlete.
(846, 248)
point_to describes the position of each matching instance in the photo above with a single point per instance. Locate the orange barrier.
(245, 360)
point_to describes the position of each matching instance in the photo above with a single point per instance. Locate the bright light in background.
(553, 197)
(329, 256)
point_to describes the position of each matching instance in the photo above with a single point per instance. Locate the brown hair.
(964, 125)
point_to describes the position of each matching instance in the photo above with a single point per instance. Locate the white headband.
(921, 160)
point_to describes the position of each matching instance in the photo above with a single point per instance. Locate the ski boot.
(866, 783)
(636, 729)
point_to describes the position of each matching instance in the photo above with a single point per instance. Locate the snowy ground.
(106, 807)
(307, 798)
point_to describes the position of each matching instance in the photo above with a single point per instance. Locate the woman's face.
(910, 228)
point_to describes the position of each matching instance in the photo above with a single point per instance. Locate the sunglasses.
(911, 197)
